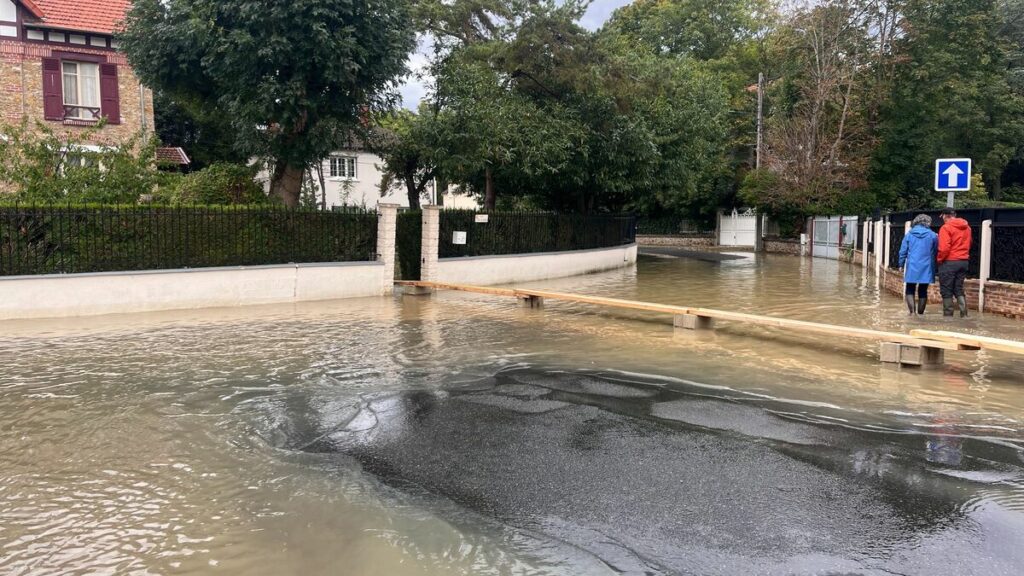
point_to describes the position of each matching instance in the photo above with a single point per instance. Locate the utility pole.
(760, 119)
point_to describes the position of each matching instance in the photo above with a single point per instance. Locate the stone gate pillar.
(387, 223)
(431, 240)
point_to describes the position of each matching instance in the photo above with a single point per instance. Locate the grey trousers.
(952, 274)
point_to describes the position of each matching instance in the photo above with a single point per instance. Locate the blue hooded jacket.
(918, 253)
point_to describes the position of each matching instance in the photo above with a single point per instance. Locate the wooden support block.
(693, 322)
(531, 301)
(416, 291)
(890, 353)
(911, 355)
(921, 355)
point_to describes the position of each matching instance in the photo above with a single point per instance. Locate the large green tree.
(951, 96)
(292, 77)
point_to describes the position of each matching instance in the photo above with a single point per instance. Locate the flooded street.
(460, 434)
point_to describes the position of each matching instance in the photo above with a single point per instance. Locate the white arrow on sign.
(952, 174)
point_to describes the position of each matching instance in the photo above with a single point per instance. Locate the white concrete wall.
(124, 292)
(485, 270)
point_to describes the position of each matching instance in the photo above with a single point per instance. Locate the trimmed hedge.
(104, 238)
(531, 232)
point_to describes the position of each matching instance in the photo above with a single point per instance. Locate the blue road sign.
(952, 174)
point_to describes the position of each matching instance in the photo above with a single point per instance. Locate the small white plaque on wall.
(482, 218)
(458, 237)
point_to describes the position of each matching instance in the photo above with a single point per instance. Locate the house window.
(81, 90)
(343, 167)
(8, 19)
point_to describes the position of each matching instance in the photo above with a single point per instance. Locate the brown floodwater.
(459, 434)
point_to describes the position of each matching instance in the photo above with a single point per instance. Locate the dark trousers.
(952, 274)
(921, 289)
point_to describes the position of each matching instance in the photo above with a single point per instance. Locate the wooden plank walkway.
(983, 342)
(919, 338)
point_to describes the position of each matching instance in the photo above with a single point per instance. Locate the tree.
(291, 77)
(951, 96)
(701, 29)
(484, 127)
(204, 133)
(407, 143)
(817, 148)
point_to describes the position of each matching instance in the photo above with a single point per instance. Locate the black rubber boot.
(922, 303)
(947, 307)
(961, 302)
(910, 303)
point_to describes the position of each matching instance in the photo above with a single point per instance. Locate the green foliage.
(408, 143)
(220, 184)
(204, 132)
(291, 77)
(952, 96)
(702, 29)
(39, 165)
(98, 238)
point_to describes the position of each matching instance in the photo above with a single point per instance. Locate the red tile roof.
(103, 16)
(173, 156)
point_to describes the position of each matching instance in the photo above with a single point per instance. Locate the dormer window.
(81, 90)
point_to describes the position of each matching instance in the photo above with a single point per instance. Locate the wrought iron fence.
(524, 233)
(408, 244)
(1007, 256)
(1008, 252)
(670, 226)
(75, 239)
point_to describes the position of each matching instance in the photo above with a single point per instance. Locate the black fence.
(525, 233)
(408, 244)
(672, 226)
(74, 239)
(1007, 239)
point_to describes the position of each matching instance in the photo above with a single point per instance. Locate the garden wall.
(125, 292)
(513, 268)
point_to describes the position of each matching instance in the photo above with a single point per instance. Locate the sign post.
(952, 175)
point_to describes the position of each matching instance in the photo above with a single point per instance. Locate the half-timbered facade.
(60, 64)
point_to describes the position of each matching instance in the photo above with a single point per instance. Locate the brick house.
(59, 63)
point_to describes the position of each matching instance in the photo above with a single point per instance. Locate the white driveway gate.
(834, 234)
(737, 229)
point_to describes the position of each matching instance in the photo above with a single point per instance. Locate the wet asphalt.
(659, 479)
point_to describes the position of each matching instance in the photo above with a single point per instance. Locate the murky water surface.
(462, 435)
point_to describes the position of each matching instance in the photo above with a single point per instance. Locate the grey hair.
(922, 219)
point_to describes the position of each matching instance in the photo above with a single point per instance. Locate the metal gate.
(737, 229)
(408, 240)
(833, 235)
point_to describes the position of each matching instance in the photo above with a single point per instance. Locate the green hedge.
(531, 232)
(102, 238)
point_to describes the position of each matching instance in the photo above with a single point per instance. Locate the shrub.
(39, 165)
(220, 184)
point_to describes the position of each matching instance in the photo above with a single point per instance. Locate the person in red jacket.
(954, 252)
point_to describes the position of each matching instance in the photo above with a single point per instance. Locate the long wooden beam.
(750, 319)
(1000, 344)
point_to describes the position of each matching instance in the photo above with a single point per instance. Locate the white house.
(352, 177)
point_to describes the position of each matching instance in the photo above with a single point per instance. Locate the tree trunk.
(412, 191)
(286, 183)
(323, 185)
(489, 194)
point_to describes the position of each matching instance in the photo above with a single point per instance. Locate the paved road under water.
(459, 434)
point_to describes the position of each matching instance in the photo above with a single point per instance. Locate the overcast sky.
(413, 90)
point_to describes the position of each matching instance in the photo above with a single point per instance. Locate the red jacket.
(954, 240)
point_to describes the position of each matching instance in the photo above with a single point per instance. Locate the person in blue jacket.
(917, 253)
